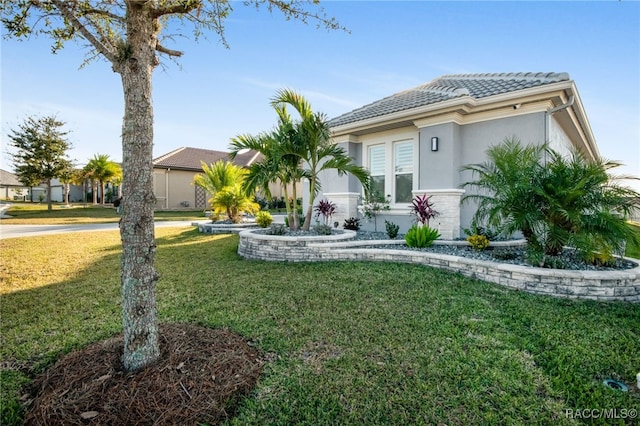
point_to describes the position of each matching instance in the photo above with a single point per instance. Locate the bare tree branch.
(177, 8)
(169, 52)
(105, 13)
(98, 44)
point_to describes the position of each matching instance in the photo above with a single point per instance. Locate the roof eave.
(468, 104)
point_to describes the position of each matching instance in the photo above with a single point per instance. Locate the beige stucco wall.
(173, 187)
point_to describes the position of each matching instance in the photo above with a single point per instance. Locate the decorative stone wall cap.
(258, 235)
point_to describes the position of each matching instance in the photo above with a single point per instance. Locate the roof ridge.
(545, 76)
(170, 154)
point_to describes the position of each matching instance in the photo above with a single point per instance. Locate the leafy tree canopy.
(41, 150)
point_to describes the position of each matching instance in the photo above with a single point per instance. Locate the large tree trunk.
(139, 311)
(94, 192)
(49, 207)
(102, 184)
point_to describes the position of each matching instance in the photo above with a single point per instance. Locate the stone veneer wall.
(621, 285)
(447, 203)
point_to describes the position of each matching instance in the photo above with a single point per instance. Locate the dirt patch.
(200, 377)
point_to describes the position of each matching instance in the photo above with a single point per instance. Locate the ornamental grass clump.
(421, 236)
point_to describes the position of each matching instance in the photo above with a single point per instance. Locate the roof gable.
(9, 179)
(187, 158)
(448, 87)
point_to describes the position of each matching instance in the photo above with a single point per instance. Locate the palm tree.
(584, 205)
(101, 169)
(555, 201)
(277, 165)
(224, 181)
(311, 143)
(505, 188)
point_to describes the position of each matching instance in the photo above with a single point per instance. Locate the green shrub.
(323, 229)
(421, 236)
(392, 229)
(264, 219)
(554, 200)
(475, 229)
(353, 223)
(478, 242)
(277, 229)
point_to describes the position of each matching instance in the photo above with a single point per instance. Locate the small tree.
(312, 144)
(103, 171)
(41, 152)
(372, 203)
(130, 36)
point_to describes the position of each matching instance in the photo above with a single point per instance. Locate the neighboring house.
(173, 175)
(57, 192)
(11, 188)
(414, 142)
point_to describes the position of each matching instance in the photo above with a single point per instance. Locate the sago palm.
(224, 181)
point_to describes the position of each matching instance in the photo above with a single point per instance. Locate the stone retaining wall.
(595, 285)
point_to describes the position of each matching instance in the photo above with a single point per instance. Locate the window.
(403, 158)
(377, 169)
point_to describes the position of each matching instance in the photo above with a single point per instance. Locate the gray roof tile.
(449, 87)
(9, 179)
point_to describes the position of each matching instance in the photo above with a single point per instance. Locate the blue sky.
(217, 93)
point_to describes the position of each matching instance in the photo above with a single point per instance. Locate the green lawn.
(350, 343)
(633, 250)
(37, 213)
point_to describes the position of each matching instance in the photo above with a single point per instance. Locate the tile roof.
(187, 158)
(449, 87)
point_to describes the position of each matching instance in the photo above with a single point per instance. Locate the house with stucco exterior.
(415, 142)
(11, 188)
(173, 175)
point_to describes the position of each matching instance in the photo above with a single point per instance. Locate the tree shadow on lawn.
(201, 375)
(333, 318)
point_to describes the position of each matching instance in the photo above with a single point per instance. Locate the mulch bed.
(200, 377)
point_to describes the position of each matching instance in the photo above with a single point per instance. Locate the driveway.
(16, 231)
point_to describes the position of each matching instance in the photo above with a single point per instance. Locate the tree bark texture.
(136, 62)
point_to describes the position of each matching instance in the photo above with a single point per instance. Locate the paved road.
(15, 231)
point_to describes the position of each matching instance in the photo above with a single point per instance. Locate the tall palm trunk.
(138, 275)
